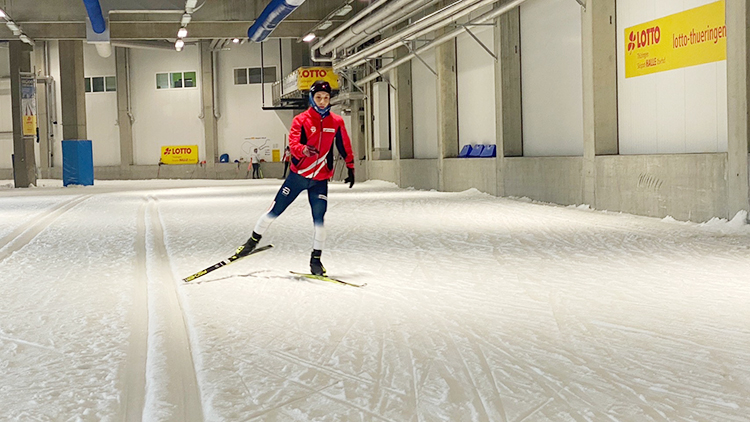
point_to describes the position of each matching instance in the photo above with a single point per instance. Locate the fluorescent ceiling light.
(182, 33)
(325, 25)
(185, 19)
(309, 37)
(179, 44)
(26, 39)
(12, 26)
(236, 40)
(2, 14)
(344, 10)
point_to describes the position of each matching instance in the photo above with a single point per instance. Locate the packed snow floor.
(476, 308)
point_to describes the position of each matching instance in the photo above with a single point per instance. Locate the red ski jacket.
(309, 128)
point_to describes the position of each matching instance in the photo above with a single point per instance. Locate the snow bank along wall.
(574, 127)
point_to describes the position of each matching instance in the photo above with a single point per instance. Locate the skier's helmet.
(321, 85)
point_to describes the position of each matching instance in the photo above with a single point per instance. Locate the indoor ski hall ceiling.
(160, 19)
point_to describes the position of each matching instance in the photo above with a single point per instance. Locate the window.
(100, 84)
(162, 81)
(190, 80)
(240, 76)
(110, 84)
(175, 80)
(252, 75)
(97, 84)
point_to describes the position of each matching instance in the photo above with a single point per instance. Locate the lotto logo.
(323, 197)
(313, 129)
(182, 150)
(285, 191)
(644, 38)
(314, 73)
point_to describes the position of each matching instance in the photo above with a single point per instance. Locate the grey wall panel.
(467, 173)
(419, 174)
(686, 187)
(547, 179)
(382, 170)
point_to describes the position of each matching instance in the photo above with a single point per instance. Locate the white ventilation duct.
(489, 16)
(430, 23)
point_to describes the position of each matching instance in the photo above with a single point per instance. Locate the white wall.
(240, 105)
(677, 111)
(101, 110)
(552, 78)
(165, 116)
(476, 88)
(424, 104)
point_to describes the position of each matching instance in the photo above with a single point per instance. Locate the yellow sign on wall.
(689, 38)
(184, 154)
(306, 76)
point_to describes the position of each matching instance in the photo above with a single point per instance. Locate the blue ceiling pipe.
(95, 15)
(272, 15)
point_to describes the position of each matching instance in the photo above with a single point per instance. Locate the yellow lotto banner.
(185, 154)
(689, 38)
(306, 76)
(29, 125)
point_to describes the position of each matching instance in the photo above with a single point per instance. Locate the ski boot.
(249, 246)
(316, 267)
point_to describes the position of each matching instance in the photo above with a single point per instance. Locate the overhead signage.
(693, 37)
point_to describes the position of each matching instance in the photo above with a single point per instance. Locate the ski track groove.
(182, 385)
(24, 234)
(131, 407)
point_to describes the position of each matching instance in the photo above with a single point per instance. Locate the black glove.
(350, 179)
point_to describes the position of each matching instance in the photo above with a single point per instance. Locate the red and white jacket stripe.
(308, 128)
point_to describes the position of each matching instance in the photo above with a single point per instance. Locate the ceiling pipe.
(149, 45)
(395, 8)
(272, 15)
(386, 24)
(94, 10)
(359, 16)
(429, 23)
(494, 14)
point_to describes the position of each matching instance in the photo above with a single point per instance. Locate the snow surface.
(477, 309)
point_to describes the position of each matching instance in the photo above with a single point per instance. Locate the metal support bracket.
(411, 50)
(487, 49)
(344, 75)
(381, 75)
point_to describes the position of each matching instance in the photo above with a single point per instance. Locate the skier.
(287, 158)
(255, 160)
(311, 140)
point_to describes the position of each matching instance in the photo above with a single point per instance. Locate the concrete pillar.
(737, 97)
(24, 162)
(508, 118)
(404, 113)
(210, 125)
(599, 89)
(43, 120)
(124, 115)
(357, 135)
(73, 90)
(508, 84)
(447, 106)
